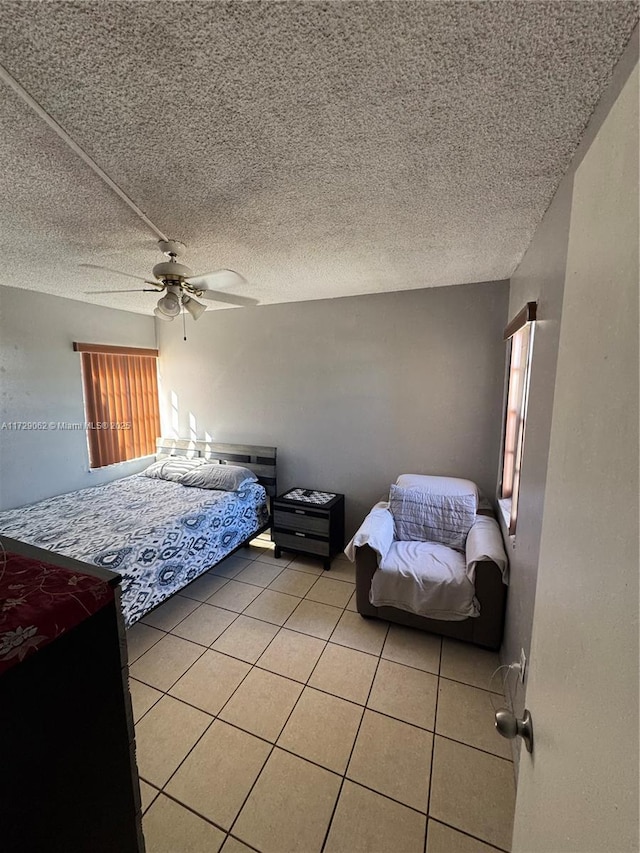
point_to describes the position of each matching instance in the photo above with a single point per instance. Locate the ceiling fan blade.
(230, 298)
(117, 272)
(134, 290)
(219, 278)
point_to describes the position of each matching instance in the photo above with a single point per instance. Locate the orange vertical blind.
(121, 402)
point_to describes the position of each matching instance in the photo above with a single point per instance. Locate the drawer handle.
(300, 534)
(299, 512)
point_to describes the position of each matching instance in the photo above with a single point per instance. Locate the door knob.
(509, 726)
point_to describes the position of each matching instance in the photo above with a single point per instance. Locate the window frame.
(120, 387)
(519, 332)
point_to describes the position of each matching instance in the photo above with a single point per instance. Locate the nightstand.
(309, 522)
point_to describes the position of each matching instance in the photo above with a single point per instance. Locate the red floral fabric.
(39, 602)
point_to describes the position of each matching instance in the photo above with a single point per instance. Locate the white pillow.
(422, 516)
(226, 478)
(172, 469)
(438, 485)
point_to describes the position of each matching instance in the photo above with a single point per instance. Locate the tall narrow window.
(519, 335)
(121, 402)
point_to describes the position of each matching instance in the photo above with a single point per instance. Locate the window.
(519, 335)
(121, 402)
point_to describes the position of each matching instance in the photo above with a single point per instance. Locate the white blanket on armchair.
(427, 578)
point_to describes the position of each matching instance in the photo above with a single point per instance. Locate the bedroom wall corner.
(40, 383)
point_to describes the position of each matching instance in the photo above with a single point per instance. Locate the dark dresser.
(68, 779)
(310, 522)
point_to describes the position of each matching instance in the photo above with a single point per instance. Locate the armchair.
(455, 592)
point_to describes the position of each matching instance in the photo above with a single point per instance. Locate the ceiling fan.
(180, 286)
(174, 280)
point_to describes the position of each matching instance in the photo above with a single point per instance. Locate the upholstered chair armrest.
(484, 543)
(366, 565)
(376, 531)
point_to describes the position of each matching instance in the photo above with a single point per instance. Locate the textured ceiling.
(321, 149)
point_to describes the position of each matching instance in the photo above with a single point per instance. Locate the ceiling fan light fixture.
(162, 316)
(195, 308)
(168, 306)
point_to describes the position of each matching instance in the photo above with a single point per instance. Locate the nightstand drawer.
(300, 519)
(301, 542)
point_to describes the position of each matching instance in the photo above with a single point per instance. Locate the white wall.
(541, 277)
(351, 391)
(40, 381)
(579, 790)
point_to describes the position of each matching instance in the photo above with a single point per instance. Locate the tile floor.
(270, 716)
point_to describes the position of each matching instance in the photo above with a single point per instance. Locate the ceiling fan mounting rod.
(171, 248)
(73, 145)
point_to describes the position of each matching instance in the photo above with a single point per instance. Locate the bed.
(158, 535)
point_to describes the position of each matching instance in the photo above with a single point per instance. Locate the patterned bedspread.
(158, 535)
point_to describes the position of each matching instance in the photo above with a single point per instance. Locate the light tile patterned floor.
(270, 716)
